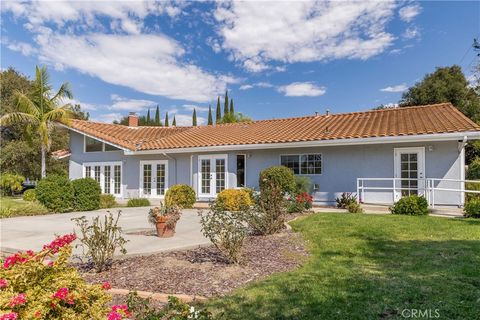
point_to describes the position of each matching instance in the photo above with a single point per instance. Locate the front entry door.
(153, 178)
(212, 175)
(410, 166)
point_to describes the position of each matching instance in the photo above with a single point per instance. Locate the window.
(303, 163)
(107, 174)
(241, 171)
(93, 145)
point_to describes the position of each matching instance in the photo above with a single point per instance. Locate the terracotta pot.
(163, 231)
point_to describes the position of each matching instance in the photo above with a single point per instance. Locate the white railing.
(425, 186)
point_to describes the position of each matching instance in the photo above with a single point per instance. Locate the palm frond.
(18, 117)
(62, 114)
(65, 91)
(26, 105)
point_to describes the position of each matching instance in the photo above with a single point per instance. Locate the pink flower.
(3, 283)
(9, 316)
(114, 316)
(106, 285)
(123, 308)
(61, 293)
(18, 300)
(37, 314)
(60, 242)
(18, 257)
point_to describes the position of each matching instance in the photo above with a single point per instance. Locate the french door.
(212, 175)
(107, 174)
(410, 167)
(153, 178)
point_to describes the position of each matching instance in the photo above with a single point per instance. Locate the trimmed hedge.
(234, 199)
(87, 194)
(56, 193)
(30, 195)
(180, 195)
(138, 202)
(412, 205)
(472, 208)
(107, 201)
(280, 176)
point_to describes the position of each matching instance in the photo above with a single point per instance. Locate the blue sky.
(277, 59)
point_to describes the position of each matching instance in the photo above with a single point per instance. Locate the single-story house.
(403, 149)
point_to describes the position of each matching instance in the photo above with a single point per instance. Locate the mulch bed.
(203, 271)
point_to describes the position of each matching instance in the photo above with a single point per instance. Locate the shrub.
(30, 195)
(268, 215)
(101, 240)
(180, 195)
(142, 309)
(12, 208)
(281, 176)
(411, 205)
(43, 285)
(345, 200)
(473, 172)
(472, 208)
(299, 203)
(234, 199)
(138, 202)
(171, 214)
(107, 201)
(87, 194)
(11, 183)
(472, 186)
(56, 193)
(226, 230)
(302, 184)
(354, 207)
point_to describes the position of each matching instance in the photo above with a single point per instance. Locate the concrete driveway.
(23, 233)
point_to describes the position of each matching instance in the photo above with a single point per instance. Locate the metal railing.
(425, 186)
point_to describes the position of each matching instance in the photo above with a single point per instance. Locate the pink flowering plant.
(42, 285)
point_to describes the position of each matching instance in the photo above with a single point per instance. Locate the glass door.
(212, 175)
(410, 167)
(153, 178)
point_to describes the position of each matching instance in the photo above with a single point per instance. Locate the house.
(380, 154)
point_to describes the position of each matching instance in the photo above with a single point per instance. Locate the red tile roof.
(420, 120)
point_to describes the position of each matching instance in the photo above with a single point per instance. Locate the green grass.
(13, 207)
(371, 267)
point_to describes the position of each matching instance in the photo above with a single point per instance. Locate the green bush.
(280, 176)
(56, 193)
(412, 205)
(472, 208)
(30, 195)
(346, 199)
(303, 184)
(11, 183)
(138, 202)
(180, 195)
(107, 201)
(87, 194)
(354, 207)
(473, 172)
(234, 199)
(474, 187)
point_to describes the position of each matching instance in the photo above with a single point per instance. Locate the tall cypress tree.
(174, 122)
(157, 116)
(194, 117)
(232, 111)
(225, 107)
(166, 119)
(218, 116)
(210, 119)
(148, 117)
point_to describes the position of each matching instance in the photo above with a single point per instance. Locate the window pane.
(292, 162)
(220, 175)
(241, 170)
(92, 145)
(147, 178)
(311, 164)
(107, 176)
(117, 179)
(109, 147)
(88, 172)
(97, 173)
(160, 179)
(205, 164)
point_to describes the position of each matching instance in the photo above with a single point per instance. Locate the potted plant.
(164, 218)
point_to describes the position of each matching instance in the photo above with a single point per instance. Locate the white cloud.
(256, 85)
(25, 48)
(256, 33)
(398, 88)
(130, 105)
(85, 106)
(186, 120)
(190, 107)
(300, 89)
(246, 87)
(409, 12)
(411, 33)
(108, 117)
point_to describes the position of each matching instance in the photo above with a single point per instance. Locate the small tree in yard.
(101, 240)
(226, 230)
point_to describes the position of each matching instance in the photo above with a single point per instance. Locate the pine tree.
(225, 107)
(232, 112)
(194, 117)
(166, 119)
(218, 117)
(174, 122)
(157, 116)
(148, 117)
(210, 119)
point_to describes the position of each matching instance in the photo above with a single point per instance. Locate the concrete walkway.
(23, 233)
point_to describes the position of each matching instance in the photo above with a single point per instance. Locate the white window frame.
(102, 165)
(213, 180)
(103, 146)
(140, 178)
(300, 162)
(245, 170)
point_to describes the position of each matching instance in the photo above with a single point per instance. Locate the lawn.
(12, 207)
(371, 267)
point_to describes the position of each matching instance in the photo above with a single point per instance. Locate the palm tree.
(40, 109)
